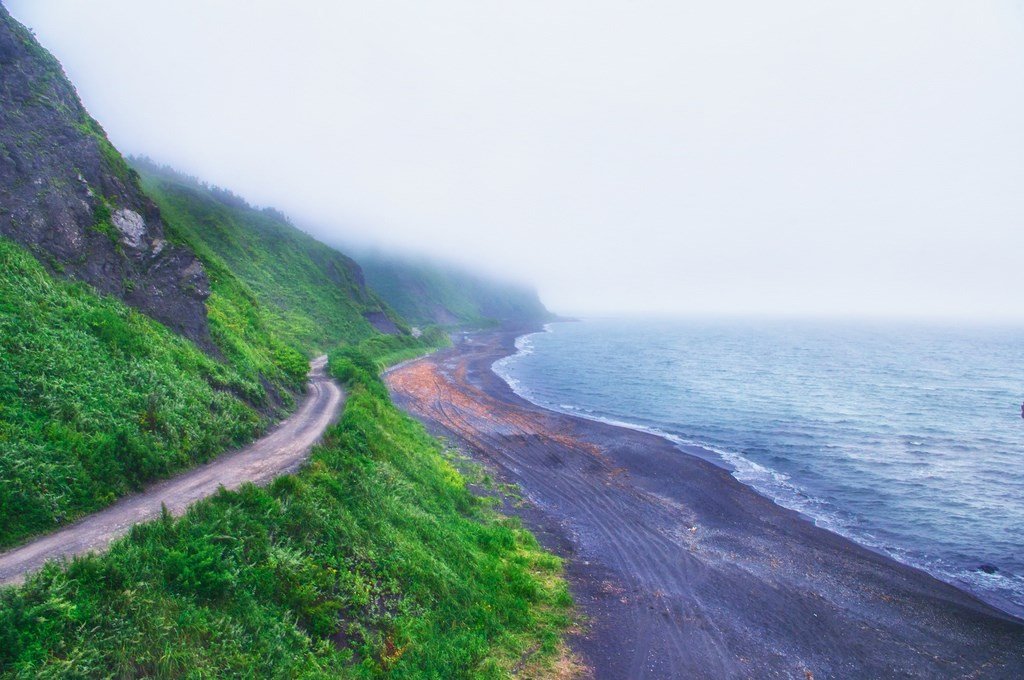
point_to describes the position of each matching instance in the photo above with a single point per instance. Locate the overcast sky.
(809, 157)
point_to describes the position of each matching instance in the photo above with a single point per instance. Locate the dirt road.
(280, 451)
(682, 571)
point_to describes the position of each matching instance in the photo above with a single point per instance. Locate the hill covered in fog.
(427, 292)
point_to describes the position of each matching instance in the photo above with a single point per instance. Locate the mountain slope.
(374, 560)
(426, 292)
(96, 398)
(69, 197)
(316, 294)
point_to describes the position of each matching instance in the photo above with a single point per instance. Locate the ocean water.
(906, 438)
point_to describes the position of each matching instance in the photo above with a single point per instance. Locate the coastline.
(683, 570)
(749, 473)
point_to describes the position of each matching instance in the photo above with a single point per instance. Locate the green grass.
(313, 295)
(96, 399)
(388, 350)
(373, 561)
(244, 332)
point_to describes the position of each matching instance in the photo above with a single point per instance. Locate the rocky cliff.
(69, 197)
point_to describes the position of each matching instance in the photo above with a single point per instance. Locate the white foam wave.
(503, 367)
(770, 483)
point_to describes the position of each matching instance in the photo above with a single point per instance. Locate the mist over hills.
(387, 289)
(246, 298)
(317, 294)
(424, 291)
(149, 323)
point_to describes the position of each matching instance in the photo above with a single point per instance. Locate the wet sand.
(683, 572)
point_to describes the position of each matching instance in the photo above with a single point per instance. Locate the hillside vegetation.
(374, 561)
(97, 398)
(314, 294)
(425, 292)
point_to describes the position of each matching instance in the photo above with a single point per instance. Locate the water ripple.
(905, 438)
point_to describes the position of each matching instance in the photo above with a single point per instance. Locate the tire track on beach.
(684, 572)
(455, 420)
(647, 561)
(634, 549)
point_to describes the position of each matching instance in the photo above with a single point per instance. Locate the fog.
(811, 158)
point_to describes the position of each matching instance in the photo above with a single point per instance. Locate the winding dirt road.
(279, 452)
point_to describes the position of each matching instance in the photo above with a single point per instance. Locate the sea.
(905, 437)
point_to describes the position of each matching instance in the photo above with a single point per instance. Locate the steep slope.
(69, 197)
(374, 560)
(426, 292)
(97, 398)
(315, 294)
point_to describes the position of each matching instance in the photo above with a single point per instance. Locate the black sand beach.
(683, 572)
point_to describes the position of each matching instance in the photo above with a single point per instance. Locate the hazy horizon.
(796, 159)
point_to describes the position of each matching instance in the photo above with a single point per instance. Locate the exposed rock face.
(69, 197)
(382, 323)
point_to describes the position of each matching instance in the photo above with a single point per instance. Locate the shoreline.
(723, 460)
(683, 570)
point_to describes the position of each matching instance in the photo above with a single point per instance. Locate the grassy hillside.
(424, 292)
(314, 294)
(97, 398)
(374, 561)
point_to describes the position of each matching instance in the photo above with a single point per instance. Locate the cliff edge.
(68, 195)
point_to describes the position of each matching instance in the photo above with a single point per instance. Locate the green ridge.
(313, 294)
(425, 292)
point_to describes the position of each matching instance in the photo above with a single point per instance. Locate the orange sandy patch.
(471, 412)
